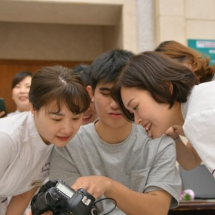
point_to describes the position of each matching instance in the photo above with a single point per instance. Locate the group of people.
(112, 128)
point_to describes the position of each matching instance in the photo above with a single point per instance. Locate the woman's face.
(20, 94)
(56, 127)
(90, 115)
(155, 117)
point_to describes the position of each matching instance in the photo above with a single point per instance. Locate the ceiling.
(60, 12)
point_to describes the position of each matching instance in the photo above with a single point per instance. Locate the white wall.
(50, 41)
(185, 19)
(66, 29)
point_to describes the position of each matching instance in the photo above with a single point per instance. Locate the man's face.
(109, 114)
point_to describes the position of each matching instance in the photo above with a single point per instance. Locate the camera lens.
(94, 211)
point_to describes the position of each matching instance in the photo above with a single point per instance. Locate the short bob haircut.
(19, 77)
(61, 85)
(155, 73)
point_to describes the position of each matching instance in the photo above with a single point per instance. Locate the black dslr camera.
(58, 197)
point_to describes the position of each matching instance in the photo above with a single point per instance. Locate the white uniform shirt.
(199, 125)
(24, 156)
(13, 113)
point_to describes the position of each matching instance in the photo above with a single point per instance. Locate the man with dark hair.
(116, 158)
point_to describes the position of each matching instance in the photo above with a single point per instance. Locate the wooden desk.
(197, 207)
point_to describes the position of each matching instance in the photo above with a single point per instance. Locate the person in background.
(58, 99)
(160, 92)
(83, 71)
(20, 89)
(114, 157)
(3, 110)
(189, 57)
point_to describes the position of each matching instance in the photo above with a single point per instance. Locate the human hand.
(95, 185)
(2, 113)
(174, 131)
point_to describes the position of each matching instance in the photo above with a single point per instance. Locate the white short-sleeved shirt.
(24, 156)
(199, 124)
(13, 113)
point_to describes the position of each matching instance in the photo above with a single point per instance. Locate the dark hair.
(60, 84)
(200, 64)
(83, 71)
(155, 73)
(19, 77)
(108, 65)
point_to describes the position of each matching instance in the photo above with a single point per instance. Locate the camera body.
(58, 197)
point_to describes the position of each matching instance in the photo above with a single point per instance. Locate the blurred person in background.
(20, 89)
(83, 71)
(189, 57)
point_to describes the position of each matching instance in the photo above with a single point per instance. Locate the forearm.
(187, 157)
(134, 203)
(19, 203)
